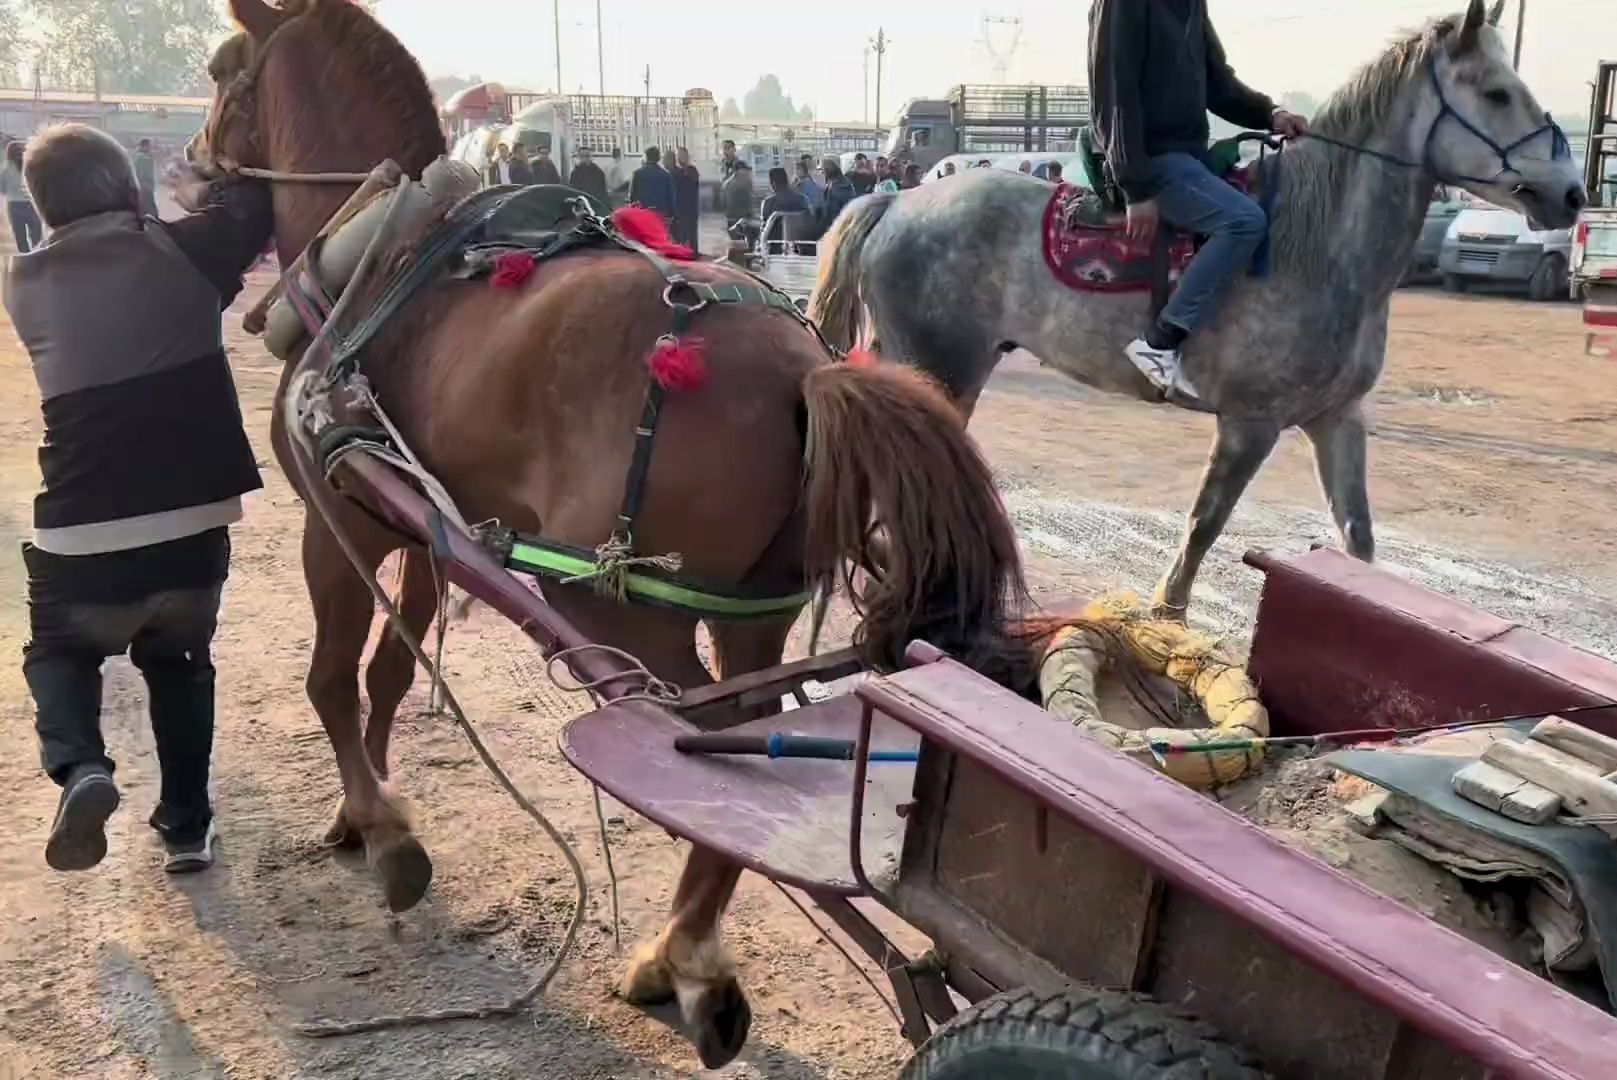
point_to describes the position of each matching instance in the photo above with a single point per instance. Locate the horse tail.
(887, 453)
(835, 305)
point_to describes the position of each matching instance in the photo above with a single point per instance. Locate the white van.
(1494, 245)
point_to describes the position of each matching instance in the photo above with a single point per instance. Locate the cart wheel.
(1077, 1034)
(1454, 283)
(1549, 280)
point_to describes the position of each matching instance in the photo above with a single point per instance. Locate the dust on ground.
(1492, 460)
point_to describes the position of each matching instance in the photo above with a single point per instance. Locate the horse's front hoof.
(406, 871)
(720, 1019)
(647, 980)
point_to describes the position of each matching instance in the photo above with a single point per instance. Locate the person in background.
(1054, 173)
(617, 178)
(544, 168)
(652, 187)
(25, 229)
(887, 185)
(499, 167)
(687, 200)
(146, 177)
(807, 186)
(738, 195)
(782, 200)
(727, 168)
(862, 178)
(984, 163)
(1155, 72)
(912, 176)
(521, 169)
(588, 177)
(1026, 168)
(839, 192)
(144, 463)
(949, 169)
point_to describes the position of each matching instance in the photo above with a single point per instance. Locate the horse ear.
(1497, 13)
(1475, 17)
(256, 17)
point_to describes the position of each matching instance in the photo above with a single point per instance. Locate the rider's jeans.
(1193, 200)
(159, 604)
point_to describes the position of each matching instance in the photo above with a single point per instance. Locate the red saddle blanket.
(1086, 248)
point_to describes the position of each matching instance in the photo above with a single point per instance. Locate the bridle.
(1560, 148)
(239, 98)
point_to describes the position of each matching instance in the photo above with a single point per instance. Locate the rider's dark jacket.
(1155, 69)
(120, 315)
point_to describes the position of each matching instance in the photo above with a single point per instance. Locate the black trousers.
(160, 604)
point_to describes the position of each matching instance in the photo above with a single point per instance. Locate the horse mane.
(1315, 174)
(390, 75)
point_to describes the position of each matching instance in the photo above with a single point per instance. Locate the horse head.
(1488, 133)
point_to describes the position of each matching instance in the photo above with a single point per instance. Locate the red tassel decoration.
(512, 270)
(677, 364)
(861, 358)
(646, 227)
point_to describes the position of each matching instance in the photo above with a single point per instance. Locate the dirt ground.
(1493, 454)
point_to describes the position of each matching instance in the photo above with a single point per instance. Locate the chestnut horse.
(524, 402)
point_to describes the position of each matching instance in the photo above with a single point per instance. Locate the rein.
(275, 176)
(1560, 149)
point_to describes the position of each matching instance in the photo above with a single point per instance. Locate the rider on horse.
(1155, 69)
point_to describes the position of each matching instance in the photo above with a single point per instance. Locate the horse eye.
(1498, 97)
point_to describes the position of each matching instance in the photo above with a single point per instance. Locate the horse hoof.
(721, 1018)
(648, 980)
(406, 871)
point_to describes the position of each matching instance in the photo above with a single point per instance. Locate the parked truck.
(983, 118)
(1594, 249)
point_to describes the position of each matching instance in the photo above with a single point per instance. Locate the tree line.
(122, 46)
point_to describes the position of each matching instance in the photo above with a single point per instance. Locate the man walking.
(144, 462)
(652, 187)
(521, 169)
(839, 192)
(687, 200)
(544, 168)
(1155, 70)
(807, 186)
(727, 168)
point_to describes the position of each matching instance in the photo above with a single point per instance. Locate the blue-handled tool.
(779, 745)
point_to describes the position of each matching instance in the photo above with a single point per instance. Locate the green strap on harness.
(543, 559)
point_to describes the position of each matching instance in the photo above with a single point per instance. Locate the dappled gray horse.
(948, 277)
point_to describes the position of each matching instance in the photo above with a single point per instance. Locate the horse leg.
(368, 813)
(1239, 449)
(392, 667)
(1340, 451)
(687, 961)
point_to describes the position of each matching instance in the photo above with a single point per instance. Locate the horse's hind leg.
(1239, 448)
(688, 962)
(342, 616)
(1341, 453)
(392, 667)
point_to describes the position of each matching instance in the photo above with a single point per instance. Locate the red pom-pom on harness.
(512, 270)
(678, 364)
(861, 358)
(646, 227)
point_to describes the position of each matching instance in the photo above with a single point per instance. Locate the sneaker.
(1162, 369)
(190, 856)
(78, 839)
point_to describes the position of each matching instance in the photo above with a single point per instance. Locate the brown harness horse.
(523, 402)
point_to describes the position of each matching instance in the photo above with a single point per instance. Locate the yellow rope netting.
(1115, 630)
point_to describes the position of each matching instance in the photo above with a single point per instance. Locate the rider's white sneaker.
(1162, 369)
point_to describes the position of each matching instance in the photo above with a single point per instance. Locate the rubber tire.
(1077, 1034)
(1454, 283)
(1549, 280)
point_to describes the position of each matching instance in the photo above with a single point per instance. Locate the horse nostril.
(1576, 198)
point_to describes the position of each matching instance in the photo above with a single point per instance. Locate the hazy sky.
(816, 46)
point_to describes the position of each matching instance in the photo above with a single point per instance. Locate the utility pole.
(600, 48)
(648, 80)
(555, 8)
(1521, 22)
(866, 113)
(880, 48)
